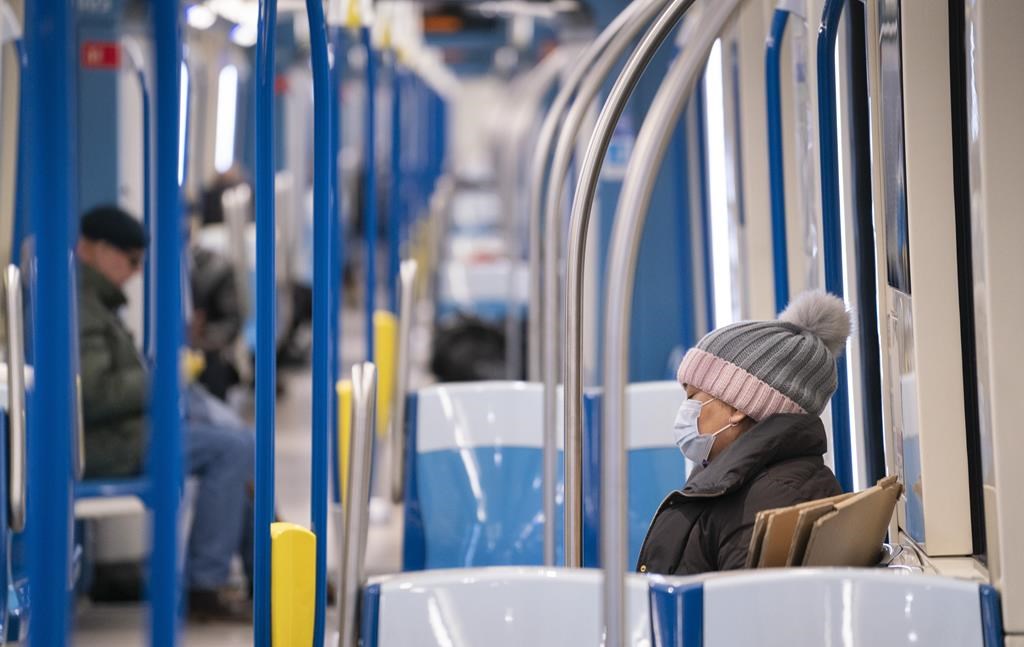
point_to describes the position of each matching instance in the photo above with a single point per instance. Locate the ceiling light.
(244, 35)
(200, 17)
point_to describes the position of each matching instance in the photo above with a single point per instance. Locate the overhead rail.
(266, 305)
(631, 214)
(594, 67)
(776, 170)
(832, 225)
(579, 225)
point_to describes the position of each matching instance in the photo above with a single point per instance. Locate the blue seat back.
(656, 467)
(498, 607)
(473, 476)
(875, 607)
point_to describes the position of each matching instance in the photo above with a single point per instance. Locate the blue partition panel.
(473, 475)
(677, 613)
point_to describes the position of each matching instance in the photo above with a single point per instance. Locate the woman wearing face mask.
(751, 426)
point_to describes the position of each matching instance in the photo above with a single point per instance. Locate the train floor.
(125, 625)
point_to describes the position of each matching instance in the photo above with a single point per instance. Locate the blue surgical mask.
(691, 442)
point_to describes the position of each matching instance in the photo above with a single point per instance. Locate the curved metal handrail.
(17, 435)
(530, 93)
(266, 304)
(831, 225)
(579, 225)
(541, 153)
(590, 84)
(631, 214)
(356, 510)
(323, 345)
(776, 171)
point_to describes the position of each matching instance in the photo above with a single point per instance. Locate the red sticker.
(101, 56)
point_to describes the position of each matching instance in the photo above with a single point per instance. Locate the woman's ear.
(737, 417)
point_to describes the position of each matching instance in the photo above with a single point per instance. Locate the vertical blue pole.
(323, 390)
(370, 187)
(773, 83)
(337, 39)
(266, 299)
(147, 218)
(50, 85)
(831, 225)
(395, 189)
(165, 461)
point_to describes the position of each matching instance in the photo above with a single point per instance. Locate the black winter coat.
(707, 525)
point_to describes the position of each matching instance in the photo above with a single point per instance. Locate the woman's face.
(717, 415)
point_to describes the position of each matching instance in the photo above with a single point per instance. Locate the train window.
(897, 242)
(227, 108)
(182, 123)
(718, 198)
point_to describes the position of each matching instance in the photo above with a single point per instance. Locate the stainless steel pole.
(407, 279)
(631, 214)
(538, 173)
(17, 434)
(590, 85)
(356, 504)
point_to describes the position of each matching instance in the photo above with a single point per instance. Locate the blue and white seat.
(474, 465)
(473, 476)
(875, 607)
(499, 607)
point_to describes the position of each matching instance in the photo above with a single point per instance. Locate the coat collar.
(777, 438)
(109, 294)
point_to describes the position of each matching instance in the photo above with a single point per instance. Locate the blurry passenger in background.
(115, 402)
(751, 425)
(216, 319)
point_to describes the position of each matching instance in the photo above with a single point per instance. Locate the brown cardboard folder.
(844, 530)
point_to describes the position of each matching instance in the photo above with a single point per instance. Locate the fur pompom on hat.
(766, 367)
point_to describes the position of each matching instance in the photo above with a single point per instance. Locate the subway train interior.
(511, 322)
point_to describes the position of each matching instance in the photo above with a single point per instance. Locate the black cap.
(114, 226)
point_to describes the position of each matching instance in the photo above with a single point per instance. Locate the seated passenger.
(751, 425)
(115, 394)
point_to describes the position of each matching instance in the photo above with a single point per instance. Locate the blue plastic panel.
(677, 613)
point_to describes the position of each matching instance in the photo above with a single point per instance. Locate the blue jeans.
(220, 451)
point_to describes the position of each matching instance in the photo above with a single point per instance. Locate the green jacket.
(115, 387)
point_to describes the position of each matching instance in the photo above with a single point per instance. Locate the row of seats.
(509, 607)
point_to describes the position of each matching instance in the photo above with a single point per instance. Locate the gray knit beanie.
(766, 367)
